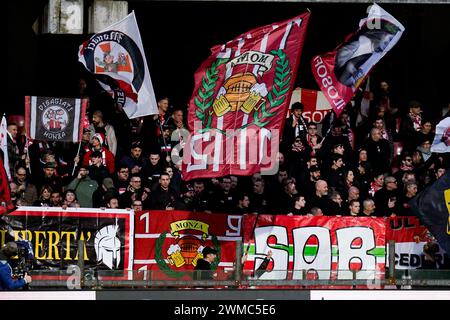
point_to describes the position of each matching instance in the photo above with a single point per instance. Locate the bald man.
(320, 199)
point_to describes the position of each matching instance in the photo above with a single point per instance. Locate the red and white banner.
(330, 247)
(410, 236)
(116, 56)
(242, 92)
(340, 73)
(169, 243)
(316, 106)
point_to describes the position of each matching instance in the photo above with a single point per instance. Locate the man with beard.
(98, 125)
(351, 57)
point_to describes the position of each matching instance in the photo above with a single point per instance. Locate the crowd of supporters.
(355, 166)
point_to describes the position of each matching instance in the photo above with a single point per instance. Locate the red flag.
(6, 205)
(340, 73)
(241, 95)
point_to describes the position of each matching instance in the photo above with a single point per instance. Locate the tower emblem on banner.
(185, 249)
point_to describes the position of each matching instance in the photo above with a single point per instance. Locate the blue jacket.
(6, 280)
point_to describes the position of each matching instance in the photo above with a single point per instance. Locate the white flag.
(4, 145)
(116, 56)
(441, 143)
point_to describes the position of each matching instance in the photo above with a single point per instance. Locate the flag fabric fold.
(116, 57)
(241, 95)
(341, 72)
(4, 146)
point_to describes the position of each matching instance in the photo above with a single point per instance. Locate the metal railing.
(237, 278)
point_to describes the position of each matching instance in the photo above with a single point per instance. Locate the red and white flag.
(4, 145)
(341, 72)
(116, 56)
(241, 95)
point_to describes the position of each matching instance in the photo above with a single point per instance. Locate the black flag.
(54, 119)
(432, 206)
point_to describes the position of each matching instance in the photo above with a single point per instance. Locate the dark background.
(177, 37)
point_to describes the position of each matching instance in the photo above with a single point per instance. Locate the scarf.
(416, 119)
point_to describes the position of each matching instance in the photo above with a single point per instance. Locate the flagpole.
(78, 153)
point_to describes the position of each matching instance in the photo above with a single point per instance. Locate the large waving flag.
(116, 56)
(340, 73)
(241, 95)
(432, 206)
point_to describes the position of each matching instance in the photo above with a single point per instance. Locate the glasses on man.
(136, 181)
(123, 171)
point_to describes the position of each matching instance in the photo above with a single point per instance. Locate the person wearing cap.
(410, 125)
(84, 187)
(379, 152)
(107, 157)
(97, 170)
(203, 268)
(98, 125)
(7, 282)
(295, 126)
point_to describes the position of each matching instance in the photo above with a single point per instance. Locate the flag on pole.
(116, 57)
(54, 119)
(316, 106)
(4, 145)
(341, 72)
(241, 95)
(432, 207)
